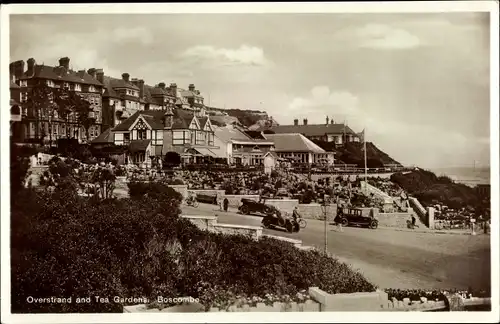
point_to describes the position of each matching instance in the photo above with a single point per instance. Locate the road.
(388, 258)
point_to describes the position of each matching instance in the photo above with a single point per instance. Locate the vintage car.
(249, 206)
(272, 221)
(354, 216)
(207, 198)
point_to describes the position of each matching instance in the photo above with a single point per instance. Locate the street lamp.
(324, 206)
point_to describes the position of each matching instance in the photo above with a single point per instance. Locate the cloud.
(125, 34)
(379, 36)
(244, 55)
(323, 99)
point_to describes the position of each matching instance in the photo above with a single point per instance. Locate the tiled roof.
(109, 92)
(182, 119)
(139, 145)
(104, 137)
(229, 133)
(60, 73)
(293, 143)
(310, 130)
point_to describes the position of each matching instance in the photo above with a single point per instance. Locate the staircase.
(377, 192)
(419, 210)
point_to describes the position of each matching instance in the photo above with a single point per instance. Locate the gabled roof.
(182, 119)
(139, 145)
(310, 130)
(203, 122)
(293, 143)
(230, 133)
(59, 73)
(104, 137)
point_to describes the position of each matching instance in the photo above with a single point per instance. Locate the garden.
(67, 245)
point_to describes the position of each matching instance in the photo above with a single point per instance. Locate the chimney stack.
(332, 122)
(161, 85)
(126, 77)
(327, 120)
(168, 119)
(139, 84)
(296, 122)
(305, 121)
(191, 87)
(100, 75)
(173, 88)
(64, 62)
(92, 72)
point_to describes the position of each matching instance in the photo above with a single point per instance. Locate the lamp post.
(326, 203)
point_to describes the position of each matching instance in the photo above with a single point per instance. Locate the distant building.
(44, 124)
(300, 149)
(328, 132)
(237, 147)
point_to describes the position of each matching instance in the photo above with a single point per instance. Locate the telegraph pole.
(325, 206)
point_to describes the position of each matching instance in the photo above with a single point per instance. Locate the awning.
(205, 151)
(139, 145)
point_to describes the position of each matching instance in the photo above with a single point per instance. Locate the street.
(389, 258)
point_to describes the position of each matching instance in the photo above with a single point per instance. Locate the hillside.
(246, 117)
(352, 153)
(430, 189)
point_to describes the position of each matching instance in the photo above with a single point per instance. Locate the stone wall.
(284, 205)
(296, 243)
(253, 232)
(210, 192)
(393, 219)
(315, 211)
(235, 200)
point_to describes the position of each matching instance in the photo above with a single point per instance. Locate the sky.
(417, 83)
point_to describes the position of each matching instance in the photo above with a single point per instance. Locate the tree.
(70, 104)
(172, 159)
(40, 105)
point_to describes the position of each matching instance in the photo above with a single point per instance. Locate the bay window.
(200, 137)
(182, 137)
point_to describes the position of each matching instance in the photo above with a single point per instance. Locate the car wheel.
(266, 223)
(289, 227)
(344, 222)
(374, 224)
(244, 210)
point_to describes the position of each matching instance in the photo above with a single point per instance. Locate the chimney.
(168, 119)
(305, 121)
(191, 87)
(126, 77)
(17, 69)
(332, 122)
(327, 120)
(161, 85)
(31, 66)
(139, 84)
(173, 88)
(295, 122)
(64, 62)
(100, 75)
(92, 72)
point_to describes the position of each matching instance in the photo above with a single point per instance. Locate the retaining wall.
(393, 219)
(235, 200)
(284, 205)
(315, 211)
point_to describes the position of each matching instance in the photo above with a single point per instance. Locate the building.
(15, 110)
(300, 149)
(43, 123)
(270, 162)
(328, 132)
(150, 134)
(237, 147)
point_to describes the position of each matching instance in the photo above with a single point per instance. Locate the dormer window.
(23, 83)
(78, 87)
(91, 89)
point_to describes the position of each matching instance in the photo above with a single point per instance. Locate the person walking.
(226, 204)
(219, 201)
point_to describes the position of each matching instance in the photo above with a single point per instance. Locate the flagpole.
(364, 149)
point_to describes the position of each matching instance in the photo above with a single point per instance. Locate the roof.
(139, 145)
(60, 73)
(112, 83)
(13, 85)
(13, 102)
(203, 122)
(104, 137)
(310, 130)
(273, 154)
(293, 143)
(182, 119)
(229, 133)
(189, 93)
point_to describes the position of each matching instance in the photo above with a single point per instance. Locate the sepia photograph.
(317, 161)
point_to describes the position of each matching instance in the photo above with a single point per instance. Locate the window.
(200, 137)
(23, 83)
(126, 138)
(141, 134)
(211, 139)
(182, 137)
(159, 138)
(24, 96)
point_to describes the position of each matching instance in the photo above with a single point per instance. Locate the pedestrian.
(413, 221)
(219, 201)
(226, 204)
(340, 214)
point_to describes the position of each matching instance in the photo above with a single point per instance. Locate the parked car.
(249, 206)
(207, 199)
(354, 216)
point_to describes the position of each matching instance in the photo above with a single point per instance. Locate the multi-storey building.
(328, 132)
(42, 122)
(151, 134)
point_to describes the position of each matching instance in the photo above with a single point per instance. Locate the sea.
(467, 175)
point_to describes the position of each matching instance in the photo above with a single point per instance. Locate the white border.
(143, 8)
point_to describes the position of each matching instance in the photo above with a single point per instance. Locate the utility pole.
(325, 214)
